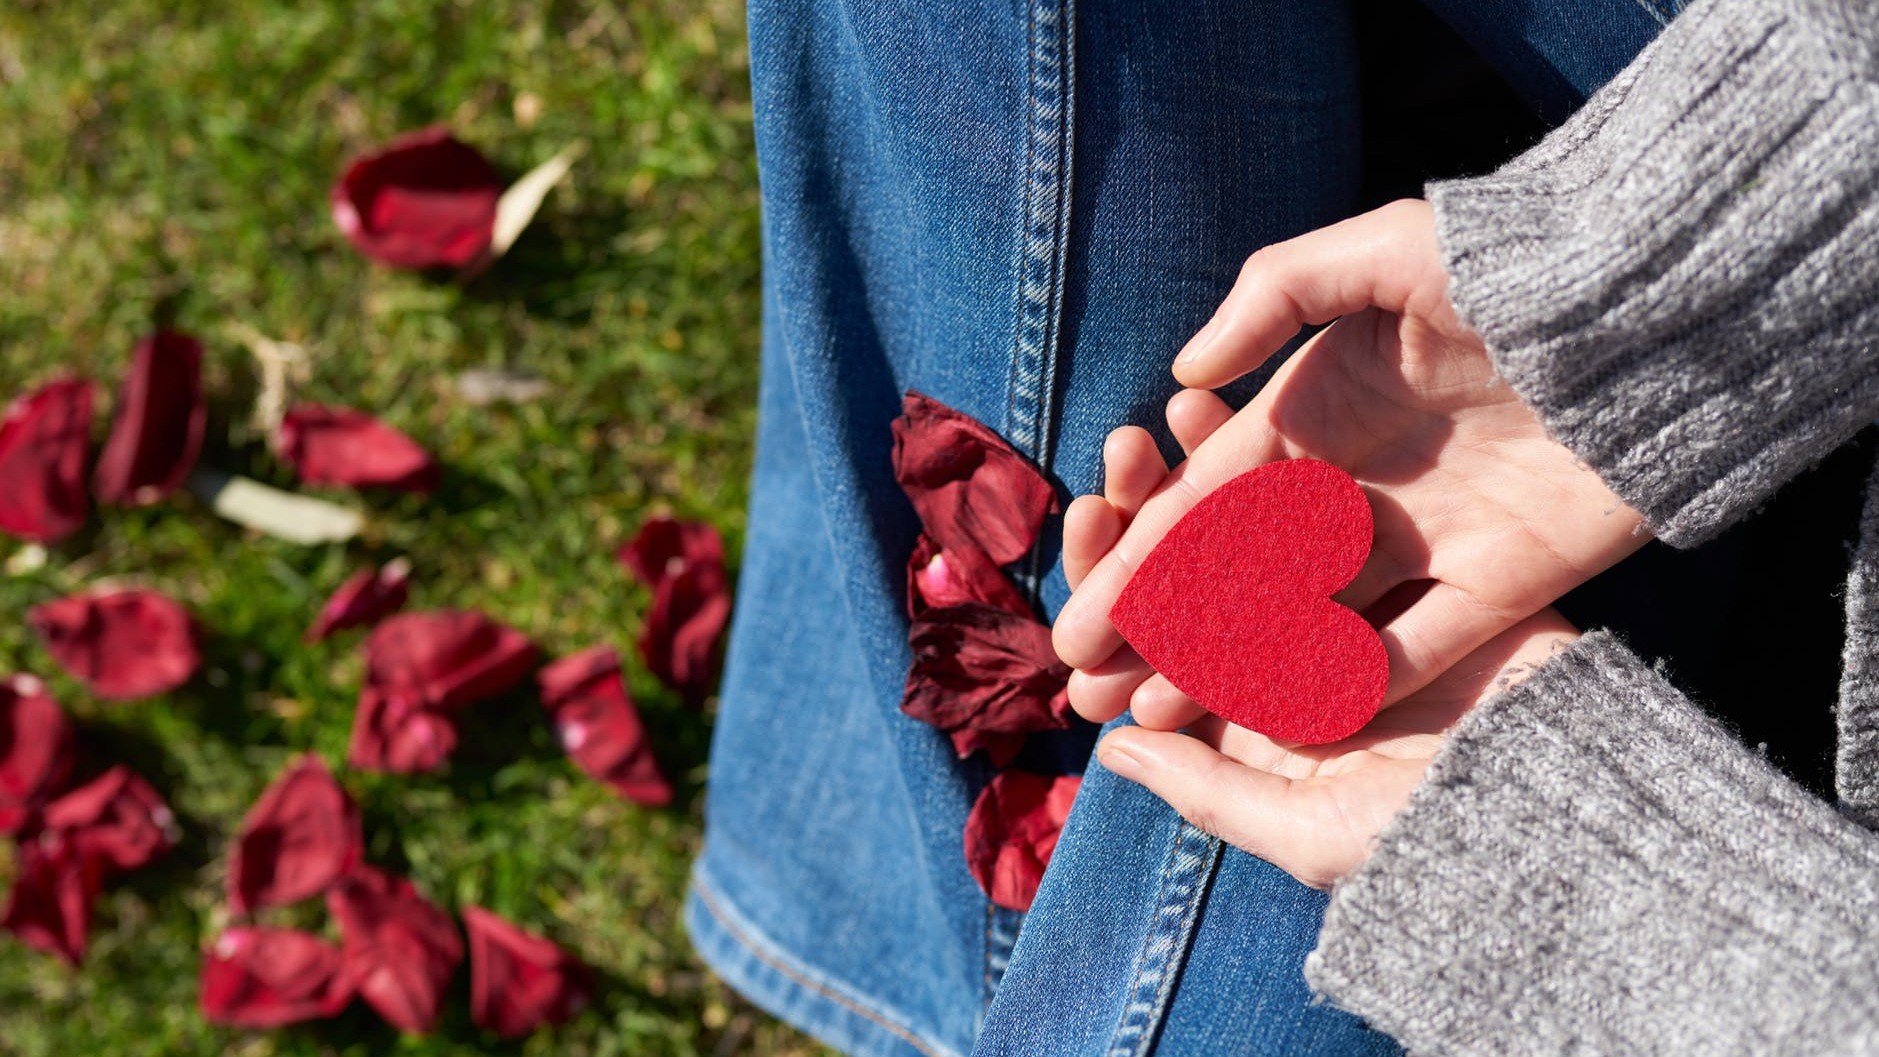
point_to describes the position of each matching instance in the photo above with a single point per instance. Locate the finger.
(1132, 467)
(1102, 693)
(1160, 705)
(1090, 527)
(1250, 809)
(1445, 625)
(1194, 415)
(1379, 258)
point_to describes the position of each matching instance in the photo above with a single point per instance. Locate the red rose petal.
(44, 439)
(121, 644)
(971, 490)
(400, 949)
(35, 751)
(156, 434)
(447, 659)
(342, 446)
(424, 200)
(299, 839)
(116, 820)
(682, 562)
(586, 698)
(666, 546)
(366, 597)
(1012, 830)
(985, 670)
(50, 906)
(519, 981)
(267, 978)
(397, 734)
(999, 749)
(938, 579)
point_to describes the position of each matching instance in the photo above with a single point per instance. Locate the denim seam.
(709, 900)
(1192, 859)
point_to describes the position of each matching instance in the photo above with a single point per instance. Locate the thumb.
(1386, 258)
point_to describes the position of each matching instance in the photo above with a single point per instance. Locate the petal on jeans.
(970, 488)
(937, 579)
(1012, 831)
(983, 669)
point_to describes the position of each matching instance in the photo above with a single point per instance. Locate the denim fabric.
(943, 212)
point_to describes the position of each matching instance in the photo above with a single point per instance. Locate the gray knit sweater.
(1684, 282)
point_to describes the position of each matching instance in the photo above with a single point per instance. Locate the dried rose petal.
(446, 659)
(267, 978)
(395, 733)
(43, 442)
(938, 579)
(666, 546)
(586, 698)
(971, 490)
(299, 839)
(343, 446)
(424, 200)
(121, 644)
(116, 821)
(679, 642)
(1000, 749)
(366, 597)
(1012, 830)
(35, 751)
(400, 949)
(156, 434)
(53, 886)
(983, 669)
(520, 981)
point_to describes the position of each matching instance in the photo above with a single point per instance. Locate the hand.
(1481, 517)
(1315, 811)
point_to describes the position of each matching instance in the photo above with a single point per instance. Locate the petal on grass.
(268, 978)
(446, 659)
(44, 439)
(424, 200)
(300, 838)
(50, 905)
(970, 488)
(363, 599)
(156, 432)
(586, 699)
(343, 446)
(115, 821)
(122, 644)
(395, 733)
(520, 981)
(400, 949)
(35, 752)
(1012, 831)
(682, 562)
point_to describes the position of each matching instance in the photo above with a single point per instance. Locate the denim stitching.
(1192, 859)
(1045, 212)
(708, 900)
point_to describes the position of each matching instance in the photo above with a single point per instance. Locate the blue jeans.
(944, 212)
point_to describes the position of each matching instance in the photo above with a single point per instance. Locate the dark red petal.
(969, 487)
(395, 732)
(115, 820)
(999, 749)
(679, 641)
(298, 840)
(267, 978)
(121, 644)
(937, 579)
(520, 981)
(35, 751)
(424, 200)
(400, 949)
(343, 446)
(156, 433)
(586, 699)
(979, 668)
(366, 597)
(446, 659)
(44, 439)
(665, 547)
(50, 906)
(1013, 829)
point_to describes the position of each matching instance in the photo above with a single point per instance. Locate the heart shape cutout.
(1234, 604)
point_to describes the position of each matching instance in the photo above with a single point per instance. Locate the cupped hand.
(1481, 518)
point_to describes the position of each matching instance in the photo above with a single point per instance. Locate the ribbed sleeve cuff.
(1594, 866)
(1683, 280)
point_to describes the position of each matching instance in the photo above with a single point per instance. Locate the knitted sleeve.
(1683, 280)
(1593, 866)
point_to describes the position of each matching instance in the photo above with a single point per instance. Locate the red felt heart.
(1234, 605)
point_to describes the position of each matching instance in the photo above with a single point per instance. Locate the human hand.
(1481, 517)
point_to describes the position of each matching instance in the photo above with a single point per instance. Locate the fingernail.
(1118, 760)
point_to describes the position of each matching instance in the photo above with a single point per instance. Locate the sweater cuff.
(1594, 866)
(1681, 279)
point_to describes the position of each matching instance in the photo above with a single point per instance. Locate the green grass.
(168, 161)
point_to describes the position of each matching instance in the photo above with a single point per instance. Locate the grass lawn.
(169, 160)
